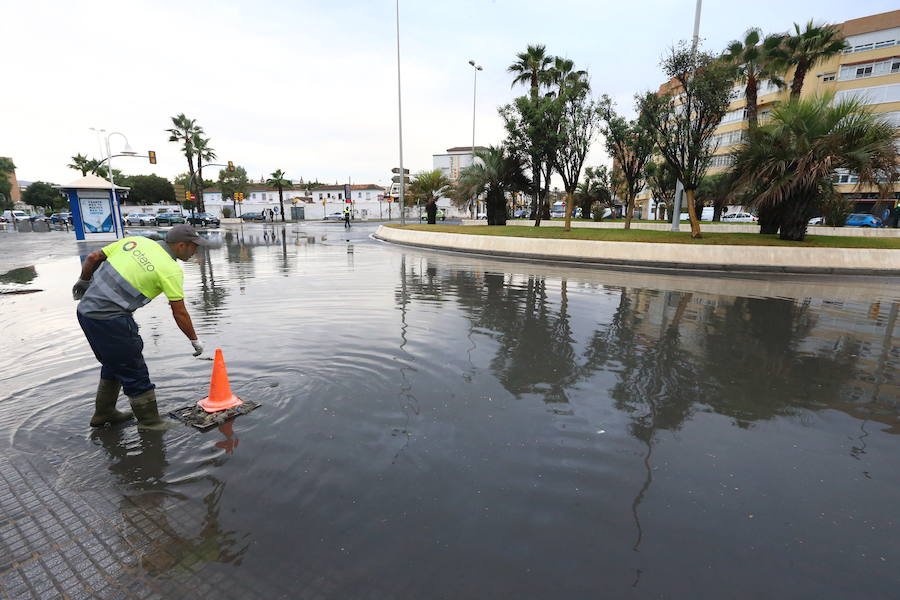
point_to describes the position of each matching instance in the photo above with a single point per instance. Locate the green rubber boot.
(144, 407)
(105, 412)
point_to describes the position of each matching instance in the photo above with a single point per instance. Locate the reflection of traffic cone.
(220, 396)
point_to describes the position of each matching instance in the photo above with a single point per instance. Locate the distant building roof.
(340, 187)
(465, 148)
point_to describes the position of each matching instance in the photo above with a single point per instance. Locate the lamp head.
(472, 62)
(128, 149)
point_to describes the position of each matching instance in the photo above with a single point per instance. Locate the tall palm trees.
(808, 47)
(499, 173)
(799, 149)
(204, 154)
(754, 63)
(280, 182)
(531, 68)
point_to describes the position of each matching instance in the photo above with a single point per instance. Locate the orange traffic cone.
(220, 396)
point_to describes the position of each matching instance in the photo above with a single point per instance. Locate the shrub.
(226, 212)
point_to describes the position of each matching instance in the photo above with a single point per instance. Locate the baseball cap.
(185, 233)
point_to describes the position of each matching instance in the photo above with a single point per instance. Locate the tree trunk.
(692, 213)
(795, 215)
(431, 212)
(569, 207)
(769, 219)
(629, 210)
(750, 92)
(799, 76)
(281, 202)
(536, 200)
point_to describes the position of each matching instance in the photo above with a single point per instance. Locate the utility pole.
(400, 118)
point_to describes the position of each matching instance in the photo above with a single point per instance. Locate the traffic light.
(187, 196)
(152, 156)
(230, 166)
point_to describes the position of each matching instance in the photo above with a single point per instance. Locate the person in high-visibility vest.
(115, 281)
(346, 216)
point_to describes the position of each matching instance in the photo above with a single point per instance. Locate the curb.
(609, 254)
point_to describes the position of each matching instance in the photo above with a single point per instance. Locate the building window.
(828, 77)
(863, 71)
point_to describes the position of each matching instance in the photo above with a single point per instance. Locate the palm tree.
(532, 69)
(82, 163)
(184, 130)
(279, 181)
(564, 76)
(429, 186)
(805, 49)
(754, 63)
(204, 153)
(800, 148)
(499, 173)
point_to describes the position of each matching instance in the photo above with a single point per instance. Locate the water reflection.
(153, 513)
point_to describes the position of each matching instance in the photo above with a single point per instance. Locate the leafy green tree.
(532, 132)
(233, 182)
(754, 63)
(150, 189)
(429, 186)
(808, 47)
(630, 144)
(578, 128)
(802, 145)
(7, 167)
(532, 69)
(684, 120)
(662, 181)
(278, 180)
(500, 173)
(44, 195)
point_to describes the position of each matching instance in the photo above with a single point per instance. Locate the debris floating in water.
(202, 420)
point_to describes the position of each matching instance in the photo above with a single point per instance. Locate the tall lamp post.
(475, 69)
(679, 186)
(400, 120)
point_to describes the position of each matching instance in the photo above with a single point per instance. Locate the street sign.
(347, 193)
(396, 179)
(397, 170)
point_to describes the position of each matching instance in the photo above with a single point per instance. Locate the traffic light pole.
(400, 120)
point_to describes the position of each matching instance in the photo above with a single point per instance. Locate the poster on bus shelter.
(96, 214)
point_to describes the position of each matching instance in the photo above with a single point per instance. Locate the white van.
(18, 215)
(706, 215)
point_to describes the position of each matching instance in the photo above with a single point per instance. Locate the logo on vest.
(139, 257)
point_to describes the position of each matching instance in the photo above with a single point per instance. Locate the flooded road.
(443, 426)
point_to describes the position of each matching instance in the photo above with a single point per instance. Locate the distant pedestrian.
(347, 217)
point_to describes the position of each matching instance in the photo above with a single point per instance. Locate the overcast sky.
(310, 86)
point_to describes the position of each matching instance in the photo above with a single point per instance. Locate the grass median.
(661, 237)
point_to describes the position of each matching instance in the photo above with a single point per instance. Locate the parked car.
(140, 219)
(862, 220)
(335, 216)
(817, 221)
(253, 216)
(439, 216)
(739, 217)
(482, 215)
(204, 219)
(169, 219)
(520, 213)
(61, 217)
(18, 215)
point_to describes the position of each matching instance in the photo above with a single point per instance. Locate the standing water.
(446, 426)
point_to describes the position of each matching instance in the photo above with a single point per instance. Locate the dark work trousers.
(346, 221)
(119, 348)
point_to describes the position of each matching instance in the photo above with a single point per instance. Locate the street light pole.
(679, 186)
(400, 120)
(475, 68)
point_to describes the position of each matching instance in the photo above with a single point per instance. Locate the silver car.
(140, 219)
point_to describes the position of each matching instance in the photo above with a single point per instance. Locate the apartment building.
(454, 160)
(869, 70)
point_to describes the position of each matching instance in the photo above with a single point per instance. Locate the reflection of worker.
(347, 217)
(129, 274)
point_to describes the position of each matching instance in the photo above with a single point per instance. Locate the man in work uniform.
(346, 216)
(115, 281)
